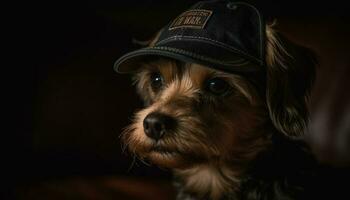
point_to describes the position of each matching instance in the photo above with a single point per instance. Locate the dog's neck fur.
(218, 179)
(272, 167)
(209, 180)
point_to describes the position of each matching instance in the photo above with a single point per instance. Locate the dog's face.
(210, 125)
(196, 115)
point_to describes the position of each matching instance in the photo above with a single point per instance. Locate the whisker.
(132, 163)
(144, 162)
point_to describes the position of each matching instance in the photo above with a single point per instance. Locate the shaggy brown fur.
(217, 138)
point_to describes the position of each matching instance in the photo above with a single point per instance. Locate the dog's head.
(197, 115)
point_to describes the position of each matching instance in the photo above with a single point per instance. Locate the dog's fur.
(243, 145)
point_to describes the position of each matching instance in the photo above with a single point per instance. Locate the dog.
(230, 135)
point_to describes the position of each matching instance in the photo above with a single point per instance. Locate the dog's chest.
(183, 195)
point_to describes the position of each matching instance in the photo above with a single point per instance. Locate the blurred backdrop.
(67, 107)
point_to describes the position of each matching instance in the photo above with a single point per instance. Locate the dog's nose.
(156, 125)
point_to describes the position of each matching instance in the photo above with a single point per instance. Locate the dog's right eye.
(218, 87)
(156, 81)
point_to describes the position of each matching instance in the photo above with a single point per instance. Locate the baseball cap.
(222, 34)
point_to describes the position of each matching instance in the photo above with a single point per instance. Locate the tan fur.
(206, 139)
(275, 52)
(203, 178)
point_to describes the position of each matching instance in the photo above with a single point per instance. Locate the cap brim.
(206, 54)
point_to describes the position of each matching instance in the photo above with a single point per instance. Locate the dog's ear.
(290, 75)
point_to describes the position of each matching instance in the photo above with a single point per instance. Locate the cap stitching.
(228, 47)
(199, 56)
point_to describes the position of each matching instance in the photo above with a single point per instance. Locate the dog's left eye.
(156, 81)
(217, 86)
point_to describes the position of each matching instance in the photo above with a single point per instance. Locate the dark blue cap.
(221, 34)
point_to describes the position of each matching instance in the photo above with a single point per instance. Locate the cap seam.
(260, 26)
(215, 42)
(181, 51)
(167, 51)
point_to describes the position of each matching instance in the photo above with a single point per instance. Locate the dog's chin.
(161, 155)
(165, 159)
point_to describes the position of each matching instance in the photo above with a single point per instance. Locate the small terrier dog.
(229, 135)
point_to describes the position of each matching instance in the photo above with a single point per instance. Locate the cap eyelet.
(231, 6)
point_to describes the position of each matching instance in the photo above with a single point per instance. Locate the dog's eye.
(218, 86)
(156, 81)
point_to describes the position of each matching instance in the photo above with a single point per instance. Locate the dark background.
(66, 106)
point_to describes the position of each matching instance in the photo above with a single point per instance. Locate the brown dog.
(225, 98)
(211, 126)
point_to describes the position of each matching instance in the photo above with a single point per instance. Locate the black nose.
(156, 125)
